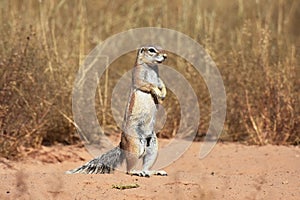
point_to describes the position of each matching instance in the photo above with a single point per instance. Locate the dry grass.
(255, 44)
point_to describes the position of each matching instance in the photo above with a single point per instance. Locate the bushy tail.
(102, 164)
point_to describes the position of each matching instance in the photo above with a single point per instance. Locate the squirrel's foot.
(160, 173)
(139, 173)
(147, 173)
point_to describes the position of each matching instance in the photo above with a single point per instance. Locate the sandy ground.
(230, 171)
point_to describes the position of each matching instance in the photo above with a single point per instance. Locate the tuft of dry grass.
(255, 45)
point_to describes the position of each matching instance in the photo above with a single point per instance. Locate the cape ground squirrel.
(138, 140)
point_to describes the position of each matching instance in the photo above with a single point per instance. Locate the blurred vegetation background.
(255, 45)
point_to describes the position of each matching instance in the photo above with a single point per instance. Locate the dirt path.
(231, 171)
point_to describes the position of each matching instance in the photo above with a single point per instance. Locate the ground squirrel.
(138, 140)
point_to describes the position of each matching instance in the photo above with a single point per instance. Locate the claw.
(147, 173)
(161, 173)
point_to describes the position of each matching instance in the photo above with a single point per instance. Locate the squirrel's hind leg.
(149, 159)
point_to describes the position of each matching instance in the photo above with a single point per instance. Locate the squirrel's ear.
(142, 49)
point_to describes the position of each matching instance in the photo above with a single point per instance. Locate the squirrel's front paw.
(160, 93)
(163, 93)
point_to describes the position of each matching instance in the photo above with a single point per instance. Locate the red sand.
(230, 171)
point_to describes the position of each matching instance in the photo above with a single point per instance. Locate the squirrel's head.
(151, 55)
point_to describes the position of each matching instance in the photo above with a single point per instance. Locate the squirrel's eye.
(152, 50)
